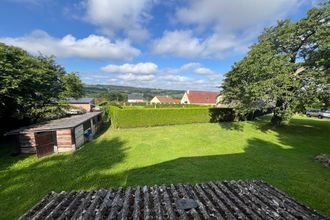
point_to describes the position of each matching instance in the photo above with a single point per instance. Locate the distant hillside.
(97, 90)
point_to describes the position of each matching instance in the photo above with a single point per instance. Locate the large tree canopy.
(73, 86)
(287, 70)
(31, 87)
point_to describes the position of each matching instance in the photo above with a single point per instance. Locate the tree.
(31, 87)
(287, 70)
(73, 87)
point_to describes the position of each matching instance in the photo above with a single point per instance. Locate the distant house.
(86, 104)
(135, 98)
(220, 102)
(164, 100)
(200, 98)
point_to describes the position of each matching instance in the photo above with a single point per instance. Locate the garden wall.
(145, 117)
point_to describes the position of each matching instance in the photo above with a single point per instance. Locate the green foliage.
(145, 117)
(287, 70)
(32, 87)
(29, 84)
(112, 96)
(73, 87)
(103, 103)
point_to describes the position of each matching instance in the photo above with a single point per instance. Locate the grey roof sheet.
(215, 200)
(81, 100)
(67, 122)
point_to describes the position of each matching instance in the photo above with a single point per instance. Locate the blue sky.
(183, 44)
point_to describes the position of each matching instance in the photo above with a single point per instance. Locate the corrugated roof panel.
(214, 200)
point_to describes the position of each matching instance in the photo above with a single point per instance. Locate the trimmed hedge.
(145, 117)
(162, 105)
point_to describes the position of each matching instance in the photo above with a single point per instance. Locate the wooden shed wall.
(64, 140)
(27, 143)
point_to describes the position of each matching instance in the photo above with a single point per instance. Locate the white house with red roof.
(200, 98)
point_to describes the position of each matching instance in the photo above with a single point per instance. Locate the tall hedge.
(145, 117)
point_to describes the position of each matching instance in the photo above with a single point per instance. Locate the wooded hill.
(149, 93)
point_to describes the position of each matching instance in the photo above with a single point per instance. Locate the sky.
(168, 44)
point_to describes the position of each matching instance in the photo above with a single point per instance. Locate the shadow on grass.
(261, 160)
(9, 152)
(292, 170)
(224, 117)
(234, 126)
(24, 182)
(289, 166)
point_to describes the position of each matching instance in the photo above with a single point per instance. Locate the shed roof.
(61, 123)
(220, 200)
(81, 101)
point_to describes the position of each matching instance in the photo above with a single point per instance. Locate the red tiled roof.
(196, 97)
(165, 99)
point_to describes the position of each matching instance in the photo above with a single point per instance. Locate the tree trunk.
(277, 113)
(276, 120)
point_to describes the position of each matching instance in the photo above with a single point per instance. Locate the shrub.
(222, 114)
(145, 117)
(103, 103)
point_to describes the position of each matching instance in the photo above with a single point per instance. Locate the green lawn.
(172, 154)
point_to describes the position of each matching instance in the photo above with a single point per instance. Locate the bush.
(222, 114)
(145, 117)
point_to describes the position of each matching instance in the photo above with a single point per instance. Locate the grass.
(183, 153)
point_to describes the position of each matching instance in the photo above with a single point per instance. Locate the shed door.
(79, 135)
(45, 142)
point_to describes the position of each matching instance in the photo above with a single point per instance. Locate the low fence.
(145, 117)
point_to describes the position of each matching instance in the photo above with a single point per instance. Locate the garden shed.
(60, 135)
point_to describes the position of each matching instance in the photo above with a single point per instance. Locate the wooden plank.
(79, 135)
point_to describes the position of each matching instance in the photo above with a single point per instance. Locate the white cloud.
(162, 78)
(189, 67)
(187, 76)
(139, 68)
(220, 28)
(179, 43)
(176, 78)
(203, 71)
(183, 83)
(183, 44)
(124, 15)
(91, 47)
(136, 78)
(195, 68)
(234, 14)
